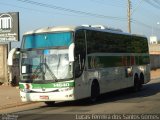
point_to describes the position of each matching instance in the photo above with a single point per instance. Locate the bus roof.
(74, 28)
(51, 29)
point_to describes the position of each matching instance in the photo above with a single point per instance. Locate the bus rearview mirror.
(11, 55)
(71, 52)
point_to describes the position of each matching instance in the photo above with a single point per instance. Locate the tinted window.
(115, 43)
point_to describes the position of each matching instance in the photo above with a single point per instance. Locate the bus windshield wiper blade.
(51, 73)
(41, 69)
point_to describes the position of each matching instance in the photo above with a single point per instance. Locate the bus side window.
(80, 52)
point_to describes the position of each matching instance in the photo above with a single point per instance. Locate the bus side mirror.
(12, 54)
(71, 52)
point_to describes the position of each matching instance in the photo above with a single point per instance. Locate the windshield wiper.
(41, 69)
(51, 73)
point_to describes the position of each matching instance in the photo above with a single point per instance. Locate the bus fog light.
(66, 89)
(66, 96)
(71, 95)
(23, 97)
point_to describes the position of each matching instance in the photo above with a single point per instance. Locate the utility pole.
(129, 16)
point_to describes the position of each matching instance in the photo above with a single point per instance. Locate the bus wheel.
(50, 103)
(95, 91)
(137, 84)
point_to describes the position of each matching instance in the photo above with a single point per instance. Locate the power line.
(36, 10)
(158, 2)
(120, 5)
(71, 10)
(81, 12)
(75, 11)
(145, 25)
(139, 4)
(153, 3)
(141, 23)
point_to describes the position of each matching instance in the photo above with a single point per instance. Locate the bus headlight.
(25, 90)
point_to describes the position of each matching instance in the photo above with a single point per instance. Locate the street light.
(158, 23)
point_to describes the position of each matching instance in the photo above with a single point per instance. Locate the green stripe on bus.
(53, 85)
(50, 85)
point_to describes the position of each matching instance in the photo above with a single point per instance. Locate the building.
(153, 40)
(154, 51)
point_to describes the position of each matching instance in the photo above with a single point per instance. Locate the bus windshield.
(46, 40)
(46, 65)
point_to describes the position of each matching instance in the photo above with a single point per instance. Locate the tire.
(50, 103)
(137, 84)
(95, 91)
(142, 78)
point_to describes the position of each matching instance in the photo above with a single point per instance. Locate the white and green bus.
(71, 63)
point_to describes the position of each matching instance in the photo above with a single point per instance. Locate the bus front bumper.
(50, 96)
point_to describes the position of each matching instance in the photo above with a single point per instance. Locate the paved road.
(116, 105)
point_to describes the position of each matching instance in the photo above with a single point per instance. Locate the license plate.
(44, 97)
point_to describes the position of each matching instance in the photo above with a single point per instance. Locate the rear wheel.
(137, 84)
(95, 91)
(50, 103)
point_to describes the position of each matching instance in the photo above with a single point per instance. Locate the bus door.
(79, 65)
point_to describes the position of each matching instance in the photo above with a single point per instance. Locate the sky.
(34, 14)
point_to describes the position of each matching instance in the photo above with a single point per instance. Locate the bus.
(69, 63)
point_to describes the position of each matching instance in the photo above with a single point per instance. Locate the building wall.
(15, 70)
(154, 51)
(3, 63)
(153, 40)
(155, 61)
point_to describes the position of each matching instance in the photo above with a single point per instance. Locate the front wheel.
(95, 91)
(50, 103)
